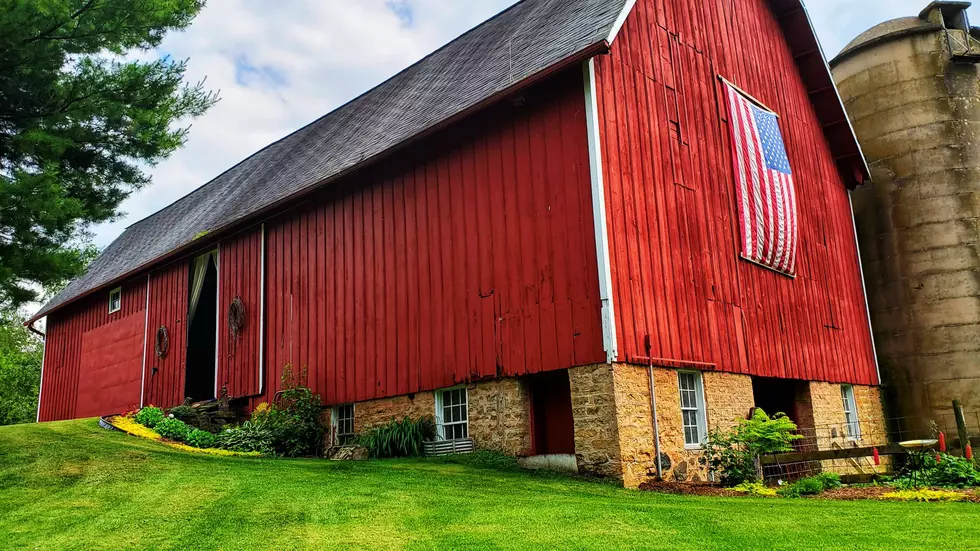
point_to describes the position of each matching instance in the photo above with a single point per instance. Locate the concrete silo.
(912, 90)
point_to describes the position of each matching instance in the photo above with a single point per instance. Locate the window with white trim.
(115, 300)
(452, 415)
(343, 423)
(851, 422)
(693, 415)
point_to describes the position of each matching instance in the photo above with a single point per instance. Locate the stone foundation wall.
(597, 444)
(829, 429)
(500, 416)
(727, 398)
(368, 415)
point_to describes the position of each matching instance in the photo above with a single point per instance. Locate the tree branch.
(78, 13)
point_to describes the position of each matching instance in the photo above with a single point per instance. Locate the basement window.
(851, 421)
(115, 300)
(452, 414)
(344, 423)
(693, 415)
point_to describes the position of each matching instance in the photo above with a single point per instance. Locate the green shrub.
(949, 472)
(247, 437)
(804, 487)
(755, 489)
(830, 481)
(403, 438)
(150, 416)
(200, 439)
(731, 454)
(173, 429)
(291, 427)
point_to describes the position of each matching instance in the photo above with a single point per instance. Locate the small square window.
(344, 423)
(851, 421)
(693, 416)
(115, 300)
(452, 415)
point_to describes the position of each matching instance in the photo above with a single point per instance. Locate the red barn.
(522, 235)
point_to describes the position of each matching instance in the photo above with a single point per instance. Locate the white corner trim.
(864, 287)
(262, 316)
(146, 330)
(599, 214)
(44, 358)
(620, 21)
(217, 315)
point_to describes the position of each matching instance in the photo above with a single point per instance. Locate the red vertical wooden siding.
(63, 345)
(240, 275)
(467, 257)
(164, 379)
(672, 215)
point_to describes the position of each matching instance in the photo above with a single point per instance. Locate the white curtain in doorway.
(197, 281)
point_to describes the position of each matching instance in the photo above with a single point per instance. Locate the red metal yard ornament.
(877, 457)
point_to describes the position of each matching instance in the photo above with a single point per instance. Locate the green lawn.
(73, 485)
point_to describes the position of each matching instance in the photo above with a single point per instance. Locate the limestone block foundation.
(614, 433)
(499, 414)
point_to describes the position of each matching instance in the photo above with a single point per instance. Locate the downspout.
(44, 356)
(653, 409)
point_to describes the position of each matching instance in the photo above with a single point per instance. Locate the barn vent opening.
(202, 328)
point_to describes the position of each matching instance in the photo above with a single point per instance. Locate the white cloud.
(281, 65)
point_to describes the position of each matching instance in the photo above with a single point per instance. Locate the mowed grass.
(73, 485)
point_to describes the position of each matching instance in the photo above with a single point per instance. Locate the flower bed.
(131, 427)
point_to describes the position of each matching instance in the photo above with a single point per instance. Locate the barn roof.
(524, 42)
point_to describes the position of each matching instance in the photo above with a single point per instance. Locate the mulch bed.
(847, 493)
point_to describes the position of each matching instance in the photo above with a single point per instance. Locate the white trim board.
(620, 21)
(146, 329)
(44, 358)
(262, 317)
(599, 214)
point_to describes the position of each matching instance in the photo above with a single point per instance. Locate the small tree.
(20, 370)
(732, 454)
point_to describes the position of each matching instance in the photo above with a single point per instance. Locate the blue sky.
(280, 65)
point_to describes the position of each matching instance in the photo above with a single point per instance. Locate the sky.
(280, 65)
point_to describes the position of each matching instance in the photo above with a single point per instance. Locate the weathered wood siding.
(467, 257)
(671, 201)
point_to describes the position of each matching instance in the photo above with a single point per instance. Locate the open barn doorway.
(202, 328)
(553, 431)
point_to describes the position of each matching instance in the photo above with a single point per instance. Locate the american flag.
(764, 183)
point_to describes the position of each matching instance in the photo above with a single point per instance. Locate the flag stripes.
(764, 183)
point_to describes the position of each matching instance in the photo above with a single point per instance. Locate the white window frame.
(700, 408)
(852, 422)
(335, 422)
(440, 422)
(118, 293)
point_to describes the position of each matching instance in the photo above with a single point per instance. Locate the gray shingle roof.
(517, 44)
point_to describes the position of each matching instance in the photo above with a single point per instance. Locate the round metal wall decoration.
(236, 317)
(161, 344)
